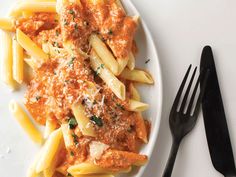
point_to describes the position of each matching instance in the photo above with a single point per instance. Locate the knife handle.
(171, 160)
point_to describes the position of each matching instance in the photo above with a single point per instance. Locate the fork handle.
(171, 160)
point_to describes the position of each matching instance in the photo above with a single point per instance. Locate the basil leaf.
(97, 120)
(72, 123)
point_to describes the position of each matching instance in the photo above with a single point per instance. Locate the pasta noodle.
(25, 122)
(32, 169)
(6, 24)
(86, 168)
(49, 128)
(48, 172)
(105, 55)
(137, 76)
(49, 150)
(31, 47)
(140, 124)
(131, 62)
(32, 6)
(116, 86)
(134, 92)
(122, 62)
(7, 59)
(137, 106)
(18, 62)
(83, 121)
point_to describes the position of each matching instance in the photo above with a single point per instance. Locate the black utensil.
(214, 119)
(181, 122)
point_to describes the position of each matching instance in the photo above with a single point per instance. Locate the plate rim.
(156, 127)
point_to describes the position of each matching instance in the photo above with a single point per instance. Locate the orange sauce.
(64, 79)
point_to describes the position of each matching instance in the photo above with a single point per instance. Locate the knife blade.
(216, 128)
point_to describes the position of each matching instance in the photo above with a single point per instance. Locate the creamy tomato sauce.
(67, 79)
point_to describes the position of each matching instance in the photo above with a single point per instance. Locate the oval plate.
(17, 150)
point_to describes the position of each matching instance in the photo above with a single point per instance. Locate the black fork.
(181, 122)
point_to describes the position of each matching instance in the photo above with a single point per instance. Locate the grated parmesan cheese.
(97, 149)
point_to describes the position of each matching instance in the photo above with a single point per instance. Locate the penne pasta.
(105, 55)
(49, 150)
(49, 128)
(137, 106)
(87, 168)
(66, 132)
(27, 14)
(141, 128)
(18, 62)
(32, 169)
(122, 62)
(49, 172)
(134, 92)
(137, 76)
(113, 83)
(25, 122)
(6, 24)
(33, 6)
(7, 59)
(28, 73)
(84, 123)
(131, 62)
(31, 47)
(139, 122)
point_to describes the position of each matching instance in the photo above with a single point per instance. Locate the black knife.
(215, 121)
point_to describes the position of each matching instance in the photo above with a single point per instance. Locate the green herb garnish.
(72, 123)
(68, 174)
(75, 138)
(72, 153)
(76, 27)
(97, 120)
(110, 32)
(72, 13)
(71, 61)
(56, 44)
(98, 69)
(120, 106)
(57, 33)
(66, 22)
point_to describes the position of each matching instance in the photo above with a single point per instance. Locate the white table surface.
(180, 29)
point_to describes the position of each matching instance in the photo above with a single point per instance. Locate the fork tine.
(199, 100)
(194, 93)
(176, 101)
(187, 91)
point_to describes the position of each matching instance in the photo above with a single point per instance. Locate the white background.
(180, 29)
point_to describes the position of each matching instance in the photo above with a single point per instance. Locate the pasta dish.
(77, 58)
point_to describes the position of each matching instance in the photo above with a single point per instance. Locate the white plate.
(16, 149)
